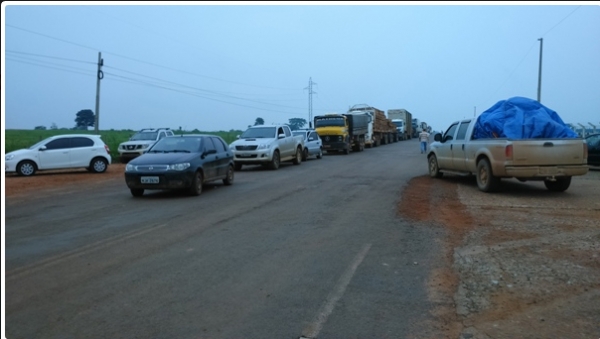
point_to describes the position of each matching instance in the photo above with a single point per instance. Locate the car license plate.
(244, 155)
(149, 180)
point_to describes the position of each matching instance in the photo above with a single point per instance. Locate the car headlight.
(145, 146)
(262, 146)
(232, 148)
(129, 168)
(9, 157)
(179, 167)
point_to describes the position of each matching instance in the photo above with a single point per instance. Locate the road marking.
(313, 329)
(82, 250)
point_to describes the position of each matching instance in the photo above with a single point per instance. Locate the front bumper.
(166, 180)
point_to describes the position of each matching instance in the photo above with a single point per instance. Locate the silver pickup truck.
(267, 146)
(553, 161)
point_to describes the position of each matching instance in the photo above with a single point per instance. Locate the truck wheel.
(560, 185)
(320, 155)
(298, 158)
(305, 154)
(275, 161)
(486, 181)
(434, 170)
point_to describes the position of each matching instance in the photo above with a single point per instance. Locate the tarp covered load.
(520, 118)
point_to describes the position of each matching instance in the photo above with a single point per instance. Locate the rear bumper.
(545, 171)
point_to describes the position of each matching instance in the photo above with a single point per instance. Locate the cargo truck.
(342, 132)
(381, 130)
(403, 121)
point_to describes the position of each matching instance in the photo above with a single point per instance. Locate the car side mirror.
(238, 136)
(311, 139)
(281, 136)
(212, 151)
(437, 137)
(43, 148)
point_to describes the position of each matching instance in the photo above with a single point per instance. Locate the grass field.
(15, 139)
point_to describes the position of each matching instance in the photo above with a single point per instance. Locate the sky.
(218, 66)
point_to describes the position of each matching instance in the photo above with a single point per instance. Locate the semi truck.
(342, 132)
(381, 130)
(403, 121)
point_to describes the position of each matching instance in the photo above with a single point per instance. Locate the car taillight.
(508, 152)
(106, 148)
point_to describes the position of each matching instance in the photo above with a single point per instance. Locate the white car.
(60, 152)
(312, 143)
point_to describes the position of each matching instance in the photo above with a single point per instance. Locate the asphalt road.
(316, 251)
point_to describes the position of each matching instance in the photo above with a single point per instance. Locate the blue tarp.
(520, 118)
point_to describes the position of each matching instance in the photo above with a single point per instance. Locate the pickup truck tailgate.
(548, 152)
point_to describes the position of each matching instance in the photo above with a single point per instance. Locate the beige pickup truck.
(553, 161)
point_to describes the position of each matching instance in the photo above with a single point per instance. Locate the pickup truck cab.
(267, 146)
(552, 160)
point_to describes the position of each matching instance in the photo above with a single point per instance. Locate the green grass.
(15, 139)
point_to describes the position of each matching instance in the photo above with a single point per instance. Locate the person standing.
(424, 139)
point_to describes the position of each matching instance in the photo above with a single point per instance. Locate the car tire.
(99, 165)
(305, 154)
(560, 185)
(238, 166)
(137, 192)
(298, 158)
(320, 155)
(486, 181)
(26, 168)
(434, 169)
(275, 162)
(230, 175)
(196, 188)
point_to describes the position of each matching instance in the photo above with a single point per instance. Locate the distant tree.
(297, 123)
(40, 128)
(85, 118)
(53, 126)
(259, 121)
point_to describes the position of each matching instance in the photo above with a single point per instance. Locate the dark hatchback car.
(593, 142)
(182, 162)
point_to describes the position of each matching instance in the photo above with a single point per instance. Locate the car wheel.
(298, 158)
(99, 165)
(560, 185)
(305, 154)
(238, 166)
(137, 192)
(26, 168)
(320, 155)
(229, 179)
(434, 169)
(196, 188)
(486, 181)
(275, 161)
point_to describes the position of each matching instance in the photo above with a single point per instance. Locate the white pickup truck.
(268, 146)
(552, 160)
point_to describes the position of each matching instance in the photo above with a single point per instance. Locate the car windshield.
(261, 132)
(333, 121)
(41, 143)
(177, 144)
(144, 136)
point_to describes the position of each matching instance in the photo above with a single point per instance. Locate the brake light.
(508, 152)
(585, 150)
(106, 148)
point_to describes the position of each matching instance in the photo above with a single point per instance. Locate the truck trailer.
(403, 121)
(381, 130)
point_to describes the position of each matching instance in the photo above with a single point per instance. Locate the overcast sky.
(220, 67)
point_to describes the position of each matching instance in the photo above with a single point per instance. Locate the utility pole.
(539, 97)
(310, 93)
(99, 77)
